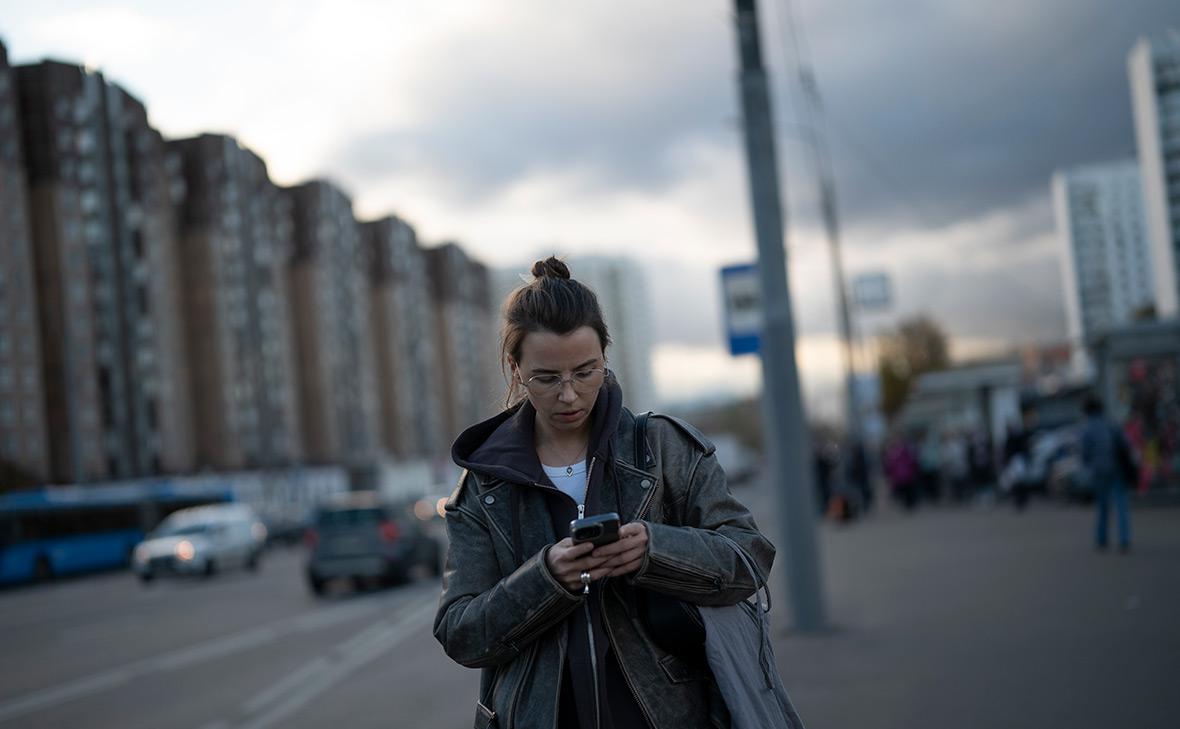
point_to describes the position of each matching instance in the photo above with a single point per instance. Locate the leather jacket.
(502, 611)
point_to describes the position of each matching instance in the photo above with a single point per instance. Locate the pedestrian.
(901, 469)
(1018, 475)
(565, 632)
(1110, 466)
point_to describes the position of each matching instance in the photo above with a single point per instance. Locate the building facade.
(24, 448)
(103, 228)
(331, 315)
(466, 330)
(236, 240)
(1154, 69)
(404, 341)
(1105, 261)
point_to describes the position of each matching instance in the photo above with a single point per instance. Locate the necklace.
(569, 469)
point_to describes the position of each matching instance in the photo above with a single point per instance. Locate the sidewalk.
(957, 618)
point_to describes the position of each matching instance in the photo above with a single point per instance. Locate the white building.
(622, 293)
(1154, 69)
(1105, 263)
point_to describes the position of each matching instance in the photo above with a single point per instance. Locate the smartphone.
(599, 529)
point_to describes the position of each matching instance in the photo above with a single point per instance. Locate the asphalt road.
(958, 617)
(234, 651)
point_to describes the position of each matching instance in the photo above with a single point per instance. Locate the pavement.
(981, 616)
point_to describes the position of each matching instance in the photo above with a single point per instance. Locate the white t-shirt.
(572, 483)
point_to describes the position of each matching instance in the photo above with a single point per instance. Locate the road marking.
(66, 692)
(200, 652)
(306, 684)
(290, 683)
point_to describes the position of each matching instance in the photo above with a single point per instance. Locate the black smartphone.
(599, 529)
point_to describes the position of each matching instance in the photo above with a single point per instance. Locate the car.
(201, 540)
(361, 538)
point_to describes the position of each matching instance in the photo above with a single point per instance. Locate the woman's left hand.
(626, 555)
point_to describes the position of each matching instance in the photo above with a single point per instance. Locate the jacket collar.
(503, 447)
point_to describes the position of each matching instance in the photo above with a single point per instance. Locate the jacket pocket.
(485, 718)
(681, 671)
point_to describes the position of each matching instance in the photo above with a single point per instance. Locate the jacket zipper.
(589, 617)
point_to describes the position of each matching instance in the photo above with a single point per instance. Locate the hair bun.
(551, 268)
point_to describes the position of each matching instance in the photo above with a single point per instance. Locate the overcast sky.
(522, 126)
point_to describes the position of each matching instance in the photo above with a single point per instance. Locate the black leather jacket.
(501, 609)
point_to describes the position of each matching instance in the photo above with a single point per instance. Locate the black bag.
(672, 624)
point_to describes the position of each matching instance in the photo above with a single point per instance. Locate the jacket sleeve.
(484, 619)
(692, 562)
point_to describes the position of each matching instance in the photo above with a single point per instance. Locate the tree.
(918, 345)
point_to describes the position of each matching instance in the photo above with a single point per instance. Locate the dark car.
(369, 542)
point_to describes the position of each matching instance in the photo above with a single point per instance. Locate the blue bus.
(63, 530)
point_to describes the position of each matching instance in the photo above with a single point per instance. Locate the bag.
(672, 624)
(741, 657)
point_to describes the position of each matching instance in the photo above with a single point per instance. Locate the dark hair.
(1092, 405)
(551, 302)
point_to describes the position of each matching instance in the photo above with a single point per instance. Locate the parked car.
(201, 541)
(368, 541)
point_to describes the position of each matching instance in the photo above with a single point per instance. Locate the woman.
(563, 631)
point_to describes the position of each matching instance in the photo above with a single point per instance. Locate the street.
(234, 651)
(950, 617)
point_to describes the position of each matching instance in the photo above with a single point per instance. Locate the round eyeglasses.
(583, 381)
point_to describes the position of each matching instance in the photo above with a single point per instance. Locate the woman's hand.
(567, 561)
(624, 556)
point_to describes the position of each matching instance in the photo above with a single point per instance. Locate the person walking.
(1110, 465)
(564, 632)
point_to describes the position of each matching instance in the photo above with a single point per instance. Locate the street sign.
(872, 291)
(743, 308)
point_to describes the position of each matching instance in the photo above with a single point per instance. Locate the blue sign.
(743, 308)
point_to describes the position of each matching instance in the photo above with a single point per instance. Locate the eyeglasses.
(583, 381)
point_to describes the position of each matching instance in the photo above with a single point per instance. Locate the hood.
(503, 446)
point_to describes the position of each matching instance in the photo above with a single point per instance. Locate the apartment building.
(329, 290)
(236, 242)
(404, 335)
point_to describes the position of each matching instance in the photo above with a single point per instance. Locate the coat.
(502, 611)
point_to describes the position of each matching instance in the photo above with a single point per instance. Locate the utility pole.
(786, 442)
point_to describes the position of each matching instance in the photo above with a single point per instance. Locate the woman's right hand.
(567, 561)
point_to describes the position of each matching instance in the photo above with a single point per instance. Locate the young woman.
(569, 635)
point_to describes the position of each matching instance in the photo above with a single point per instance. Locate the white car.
(200, 541)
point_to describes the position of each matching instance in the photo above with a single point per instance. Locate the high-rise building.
(466, 331)
(1106, 272)
(105, 250)
(24, 449)
(330, 308)
(404, 341)
(1154, 69)
(236, 241)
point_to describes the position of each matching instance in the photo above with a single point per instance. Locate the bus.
(63, 530)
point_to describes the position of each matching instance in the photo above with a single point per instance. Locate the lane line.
(359, 654)
(198, 653)
(289, 683)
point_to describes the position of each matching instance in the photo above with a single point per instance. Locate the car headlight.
(185, 551)
(142, 554)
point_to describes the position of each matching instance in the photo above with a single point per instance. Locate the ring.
(585, 582)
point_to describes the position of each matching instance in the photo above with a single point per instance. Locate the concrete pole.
(786, 440)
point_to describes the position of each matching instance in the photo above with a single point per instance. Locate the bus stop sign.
(743, 308)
